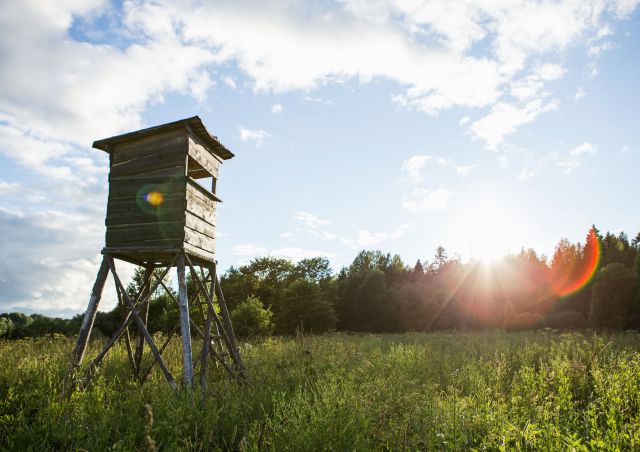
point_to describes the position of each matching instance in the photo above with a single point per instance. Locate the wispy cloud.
(277, 108)
(413, 168)
(318, 100)
(573, 159)
(286, 235)
(463, 170)
(580, 93)
(427, 201)
(504, 119)
(259, 136)
(598, 50)
(525, 175)
(229, 80)
(309, 219)
(297, 254)
(464, 120)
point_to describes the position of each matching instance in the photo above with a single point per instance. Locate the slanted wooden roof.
(193, 124)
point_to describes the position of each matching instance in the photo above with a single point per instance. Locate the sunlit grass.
(438, 391)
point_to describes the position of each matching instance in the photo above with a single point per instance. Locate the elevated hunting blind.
(161, 212)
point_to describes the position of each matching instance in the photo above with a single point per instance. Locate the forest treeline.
(595, 284)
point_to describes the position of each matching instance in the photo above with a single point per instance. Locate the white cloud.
(504, 161)
(464, 120)
(286, 235)
(573, 160)
(591, 70)
(504, 118)
(10, 189)
(277, 108)
(248, 250)
(413, 167)
(367, 238)
(230, 81)
(427, 201)
(309, 219)
(318, 100)
(325, 235)
(581, 93)
(297, 254)
(464, 170)
(598, 50)
(525, 175)
(625, 149)
(259, 136)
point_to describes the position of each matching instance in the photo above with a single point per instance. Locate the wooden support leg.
(233, 350)
(184, 322)
(144, 314)
(90, 315)
(224, 312)
(126, 321)
(147, 336)
(206, 343)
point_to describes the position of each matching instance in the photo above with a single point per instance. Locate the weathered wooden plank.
(177, 142)
(201, 192)
(203, 157)
(122, 188)
(148, 139)
(141, 217)
(168, 173)
(157, 161)
(197, 144)
(136, 233)
(130, 203)
(196, 190)
(199, 209)
(199, 225)
(205, 255)
(198, 239)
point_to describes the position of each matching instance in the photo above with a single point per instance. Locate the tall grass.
(439, 391)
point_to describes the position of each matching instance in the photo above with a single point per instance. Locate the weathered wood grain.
(204, 255)
(130, 204)
(148, 139)
(153, 162)
(167, 173)
(199, 146)
(201, 192)
(205, 158)
(123, 188)
(199, 225)
(177, 142)
(199, 240)
(140, 217)
(136, 233)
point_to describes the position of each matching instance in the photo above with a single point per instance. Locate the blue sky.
(479, 126)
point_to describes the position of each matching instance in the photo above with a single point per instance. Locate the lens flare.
(154, 198)
(575, 283)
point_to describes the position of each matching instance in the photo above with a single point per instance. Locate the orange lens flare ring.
(154, 198)
(577, 283)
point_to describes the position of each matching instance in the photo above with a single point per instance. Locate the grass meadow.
(414, 392)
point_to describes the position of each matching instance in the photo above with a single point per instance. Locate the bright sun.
(492, 231)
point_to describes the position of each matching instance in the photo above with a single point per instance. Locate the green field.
(439, 391)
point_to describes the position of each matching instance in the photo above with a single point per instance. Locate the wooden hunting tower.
(156, 206)
(161, 214)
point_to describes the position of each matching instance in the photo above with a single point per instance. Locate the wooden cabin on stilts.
(161, 215)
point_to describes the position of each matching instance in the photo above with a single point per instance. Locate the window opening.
(203, 177)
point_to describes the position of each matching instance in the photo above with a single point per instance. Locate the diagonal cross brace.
(152, 346)
(233, 352)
